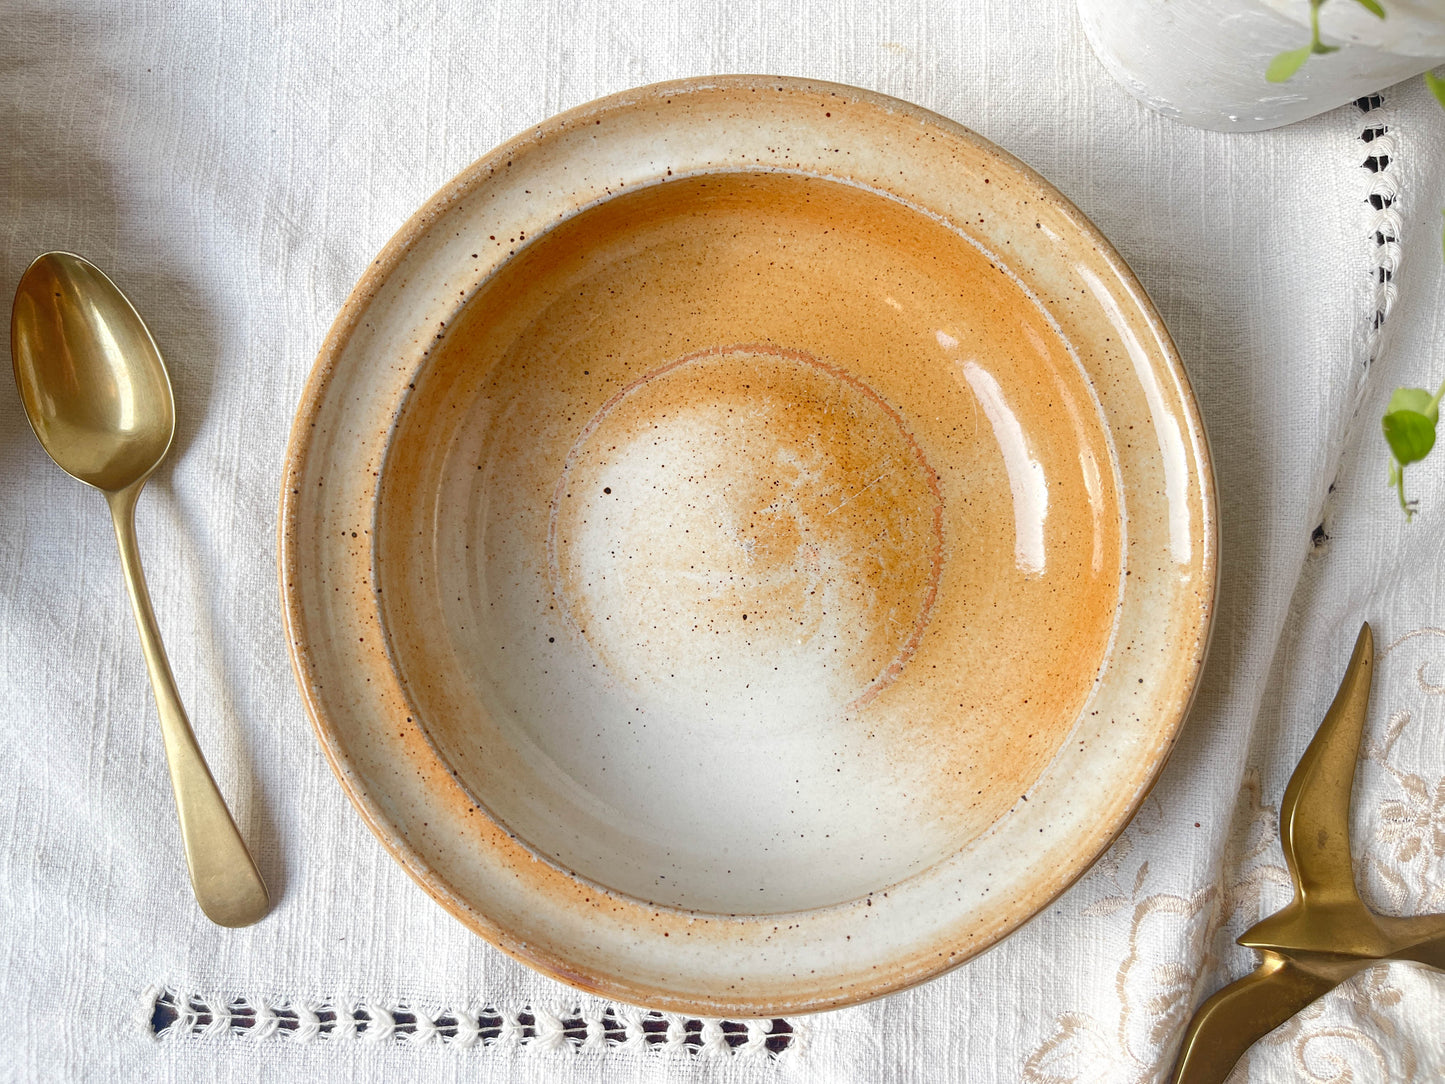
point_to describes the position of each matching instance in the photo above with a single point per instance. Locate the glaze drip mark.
(744, 523)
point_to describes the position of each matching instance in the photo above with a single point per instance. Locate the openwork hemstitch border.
(1385, 228)
(1382, 194)
(169, 1015)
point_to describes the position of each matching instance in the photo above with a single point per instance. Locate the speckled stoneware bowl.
(747, 545)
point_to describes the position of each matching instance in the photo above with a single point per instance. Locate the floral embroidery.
(1325, 1050)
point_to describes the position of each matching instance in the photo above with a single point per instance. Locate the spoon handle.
(225, 879)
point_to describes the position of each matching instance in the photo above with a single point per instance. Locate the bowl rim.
(303, 433)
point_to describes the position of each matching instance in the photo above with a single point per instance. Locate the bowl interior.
(748, 542)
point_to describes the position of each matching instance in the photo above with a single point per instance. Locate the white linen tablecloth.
(235, 166)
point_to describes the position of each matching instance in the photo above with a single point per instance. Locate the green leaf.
(1373, 7)
(1437, 87)
(1283, 67)
(1410, 435)
(1414, 399)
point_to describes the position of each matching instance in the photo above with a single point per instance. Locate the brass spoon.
(98, 397)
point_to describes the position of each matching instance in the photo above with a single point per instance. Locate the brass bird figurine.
(1326, 933)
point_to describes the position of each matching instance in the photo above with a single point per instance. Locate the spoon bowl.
(92, 380)
(98, 397)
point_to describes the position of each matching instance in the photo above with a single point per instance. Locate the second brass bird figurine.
(1326, 933)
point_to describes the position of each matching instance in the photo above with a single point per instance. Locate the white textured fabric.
(235, 166)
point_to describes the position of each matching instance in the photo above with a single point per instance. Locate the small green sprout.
(1283, 67)
(1410, 419)
(1409, 427)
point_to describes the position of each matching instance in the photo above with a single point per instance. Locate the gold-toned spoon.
(98, 397)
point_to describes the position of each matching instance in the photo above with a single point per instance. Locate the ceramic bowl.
(747, 545)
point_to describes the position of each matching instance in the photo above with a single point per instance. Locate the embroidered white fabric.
(235, 166)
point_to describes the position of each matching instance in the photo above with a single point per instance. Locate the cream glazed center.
(745, 531)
